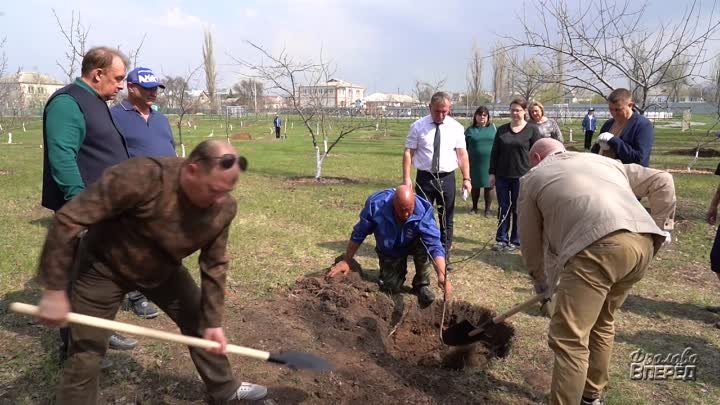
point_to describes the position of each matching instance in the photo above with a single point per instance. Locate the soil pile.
(385, 347)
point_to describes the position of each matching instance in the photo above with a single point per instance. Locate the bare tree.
(169, 99)
(712, 134)
(12, 101)
(286, 75)
(474, 77)
(249, 91)
(424, 90)
(510, 73)
(559, 72)
(134, 53)
(186, 104)
(210, 72)
(715, 80)
(678, 79)
(76, 35)
(499, 67)
(529, 77)
(603, 43)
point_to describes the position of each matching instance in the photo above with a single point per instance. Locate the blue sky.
(384, 45)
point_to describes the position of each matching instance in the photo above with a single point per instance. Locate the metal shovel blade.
(301, 361)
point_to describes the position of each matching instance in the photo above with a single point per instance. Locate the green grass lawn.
(287, 227)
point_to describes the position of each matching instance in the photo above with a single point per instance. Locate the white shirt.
(421, 138)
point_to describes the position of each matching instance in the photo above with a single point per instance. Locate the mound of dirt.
(241, 136)
(704, 152)
(397, 326)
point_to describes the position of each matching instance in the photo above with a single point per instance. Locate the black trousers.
(715, 253)
(277, 132)
(588, 139)
(439, 190)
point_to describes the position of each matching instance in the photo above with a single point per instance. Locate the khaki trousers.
(592, 286)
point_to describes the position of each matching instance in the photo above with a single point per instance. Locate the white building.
(379, 102)
(333, 94)
(28, 90)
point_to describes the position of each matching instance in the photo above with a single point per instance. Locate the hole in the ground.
(395, 327)
(417, 337)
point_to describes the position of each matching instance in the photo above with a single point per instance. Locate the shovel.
(464, 333)
(294, 360)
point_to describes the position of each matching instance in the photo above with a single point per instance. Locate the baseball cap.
(143, 77)
(591, 109)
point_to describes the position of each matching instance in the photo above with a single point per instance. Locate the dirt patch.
(385, 349)
(326, 181)
(704, 152)
(691, 171)
(6, 172)
(241, 136)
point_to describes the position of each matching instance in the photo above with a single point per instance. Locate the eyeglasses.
(227, 161)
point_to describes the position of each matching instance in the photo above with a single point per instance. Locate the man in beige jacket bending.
(586, 238)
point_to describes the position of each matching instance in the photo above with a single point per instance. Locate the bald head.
(210, 173)
(404, 202)
(542, 148)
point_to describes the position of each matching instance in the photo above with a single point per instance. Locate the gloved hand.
(603, 140)
(668, 238)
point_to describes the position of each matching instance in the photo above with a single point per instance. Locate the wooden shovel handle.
(512, 311)
(519, 307)
(143, 331)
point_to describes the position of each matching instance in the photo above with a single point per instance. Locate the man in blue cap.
(147, 133)
(146, 130)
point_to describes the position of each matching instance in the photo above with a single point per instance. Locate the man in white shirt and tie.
(435, 145)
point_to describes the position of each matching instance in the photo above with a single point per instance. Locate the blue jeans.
(507, 195)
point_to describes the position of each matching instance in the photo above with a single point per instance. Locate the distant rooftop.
(31, 78)
(389, 98)
(337, 83)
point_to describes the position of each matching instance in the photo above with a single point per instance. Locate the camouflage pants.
(394, 269)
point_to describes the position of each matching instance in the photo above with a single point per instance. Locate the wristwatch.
(466, 179)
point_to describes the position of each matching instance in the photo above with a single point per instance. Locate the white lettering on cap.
(146, 78)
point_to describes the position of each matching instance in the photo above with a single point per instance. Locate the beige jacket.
(571, 200)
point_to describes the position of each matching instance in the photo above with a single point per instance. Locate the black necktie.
(436, 150)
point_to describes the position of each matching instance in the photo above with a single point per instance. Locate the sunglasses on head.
(227, 161)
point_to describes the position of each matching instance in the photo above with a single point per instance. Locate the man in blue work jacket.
(403, 225)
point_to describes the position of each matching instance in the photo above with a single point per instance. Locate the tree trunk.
(318, 163)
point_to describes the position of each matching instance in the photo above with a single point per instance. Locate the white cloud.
(176, 18)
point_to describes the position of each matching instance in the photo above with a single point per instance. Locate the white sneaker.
(593, 402)
(249, 391)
